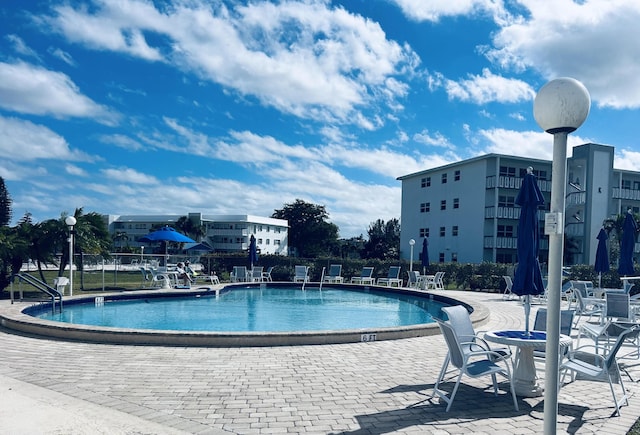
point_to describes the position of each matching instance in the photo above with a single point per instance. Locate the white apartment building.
(224, 233)
(467, 209)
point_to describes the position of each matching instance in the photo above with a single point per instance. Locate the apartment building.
(467, 209)
(224, 233)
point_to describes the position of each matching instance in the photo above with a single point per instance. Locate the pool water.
(255, 309)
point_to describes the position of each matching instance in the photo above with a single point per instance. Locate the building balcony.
(576, 198)
(620, 193)
(505, 182)
(509, 243)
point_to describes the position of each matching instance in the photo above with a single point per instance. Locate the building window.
(441, 257)
(506, 201)
(443, 204)
(442, 231)
(456, 175)
(636, 185)
(267, 242)
(456, 202)
(454, 231)
(504, 258)
(425, 207)
(507, 171)
(424, 232)
(505, 230)
(454, 257)
(276, 242)
(425, 182)
(259, 241)
(444, 178)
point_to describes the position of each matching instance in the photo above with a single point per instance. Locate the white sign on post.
(553, 223)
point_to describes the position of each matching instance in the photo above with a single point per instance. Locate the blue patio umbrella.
(424, 255)
(166, 234)
(527, 280)
(628, 242)
(602, 256)
(253, 251)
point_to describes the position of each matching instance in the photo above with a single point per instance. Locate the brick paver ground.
(363, 388)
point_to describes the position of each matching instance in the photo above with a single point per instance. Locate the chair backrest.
(577, 293)
(566, 321)
(394, 272)
(367, 272)
(301, 271)
(460, 320)
(256, 272)
(618, 305)
(438, 277)
(240, 272)
(584, 287)
(627, 286)
(335, 270)
(413, 276)
(456, 353)
(611, 357)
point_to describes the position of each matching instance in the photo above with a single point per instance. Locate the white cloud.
(304, 58)
(433, 139)
(129, 175)
(627, 159)
(488, 87)
(23, 140)
(433, 10)
(593, 41)
(33, 90)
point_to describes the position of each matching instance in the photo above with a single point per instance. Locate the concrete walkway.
(57, 387)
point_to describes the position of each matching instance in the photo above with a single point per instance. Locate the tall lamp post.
(559, 108)
(411, 243)
(70, 221)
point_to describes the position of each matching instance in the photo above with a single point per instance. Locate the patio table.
(525, 381)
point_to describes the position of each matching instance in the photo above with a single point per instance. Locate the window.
(276, 242)
(259, 241)
(267, 242)
(506, 201)
(626, 184)
(425, 182)
(636, 185)
(454, 231)
(456, 175)
(443, 204)
(505, 230)
(425, 207)
(454, 257)
(504, 258)
(424, 232)
(507, 171)
(456, 202)
(442, 231)
(444, 178)
(441, 257)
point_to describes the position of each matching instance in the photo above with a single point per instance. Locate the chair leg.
(443, 371)
(453, 393)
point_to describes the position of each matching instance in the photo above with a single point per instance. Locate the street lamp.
(411, 243)
(560, 107)
(70, 221)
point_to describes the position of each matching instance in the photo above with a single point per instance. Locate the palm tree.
(190, 228)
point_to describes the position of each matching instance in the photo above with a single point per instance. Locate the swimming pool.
(256, 309)
(407, 312)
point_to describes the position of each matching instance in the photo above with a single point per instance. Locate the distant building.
(224, 233)
(467, 209)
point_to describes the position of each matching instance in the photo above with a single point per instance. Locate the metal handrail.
(53, 293)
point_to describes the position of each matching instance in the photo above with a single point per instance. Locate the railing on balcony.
(505, 182)
(576, 198)
(620, 193)
(502, 212)
(574, 229)
(509, 243)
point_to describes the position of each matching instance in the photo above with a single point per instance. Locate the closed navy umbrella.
(253, 251)
(528, 278)
(628, 242)
(424, 256)
(602, 256)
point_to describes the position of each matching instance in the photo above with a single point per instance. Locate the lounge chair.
(301, 274)
(239, 274)
(366, 277)
(507, 289)
(413, 281)
(266, 276)
(256, 274)
(393, 278)
(60, 283)
(334, 275)
(617, 309)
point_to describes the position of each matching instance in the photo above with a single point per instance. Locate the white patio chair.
(393, 277)
(472, 363)
(301, 274)
(366, 277)
(413, 280)
(239, 274)
(617, 308)
(593, 366)
(507, 295)
(266, 276)
(335, 274)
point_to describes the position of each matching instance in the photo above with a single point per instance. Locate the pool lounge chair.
(301, 274)
(266, 276)
(239, 274)
(393, 278)
(366, 277)
(334, 275)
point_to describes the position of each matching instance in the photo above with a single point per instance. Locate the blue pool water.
(254, 309)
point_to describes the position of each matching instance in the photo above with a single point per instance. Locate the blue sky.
(234, 107)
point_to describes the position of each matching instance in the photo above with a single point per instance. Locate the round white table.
(525, 381)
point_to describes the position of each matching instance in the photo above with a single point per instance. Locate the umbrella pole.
(599, 279)
(527, 311)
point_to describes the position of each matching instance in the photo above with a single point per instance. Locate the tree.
(384, 240)
(5, 204)
(310, 235)
(190, 228)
